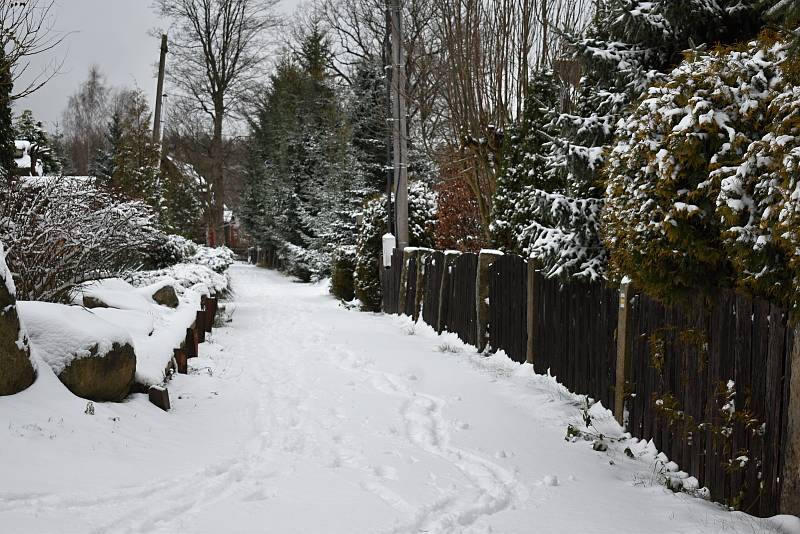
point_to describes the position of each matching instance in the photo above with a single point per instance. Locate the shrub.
(342, 272)
(702, 182)
(63, 231)
(421, 228)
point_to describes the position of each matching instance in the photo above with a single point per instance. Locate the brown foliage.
(459, 221)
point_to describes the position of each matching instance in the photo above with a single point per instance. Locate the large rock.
(92, 302)
(16, 369)
(166, 296)
(93, 357)
(102, 378)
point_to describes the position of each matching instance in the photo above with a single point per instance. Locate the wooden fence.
(709, 382)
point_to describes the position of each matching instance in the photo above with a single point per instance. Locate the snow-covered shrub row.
(187, 275)
(173, 249)
(217, 259)
(703, 181)
(421, 230)
(61, 231)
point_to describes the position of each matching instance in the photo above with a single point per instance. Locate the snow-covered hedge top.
(62, 333)
(702, 182)
(217, 259)
(185, 275)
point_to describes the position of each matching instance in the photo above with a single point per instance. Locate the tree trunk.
(217, 211)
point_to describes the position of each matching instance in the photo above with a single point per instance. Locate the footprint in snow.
(385, 471)
(550, 480)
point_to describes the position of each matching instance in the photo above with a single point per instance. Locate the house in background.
(28, 164)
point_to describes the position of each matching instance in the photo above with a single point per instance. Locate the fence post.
(181, 361)
(422, 257)
(623, 349)
(790, 477)
(449, 261)
(408, 252)
(190, 343)
(485, 260)
(533, 309)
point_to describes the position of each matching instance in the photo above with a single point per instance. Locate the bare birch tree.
(218, 50)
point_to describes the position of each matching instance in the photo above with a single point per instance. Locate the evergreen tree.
(625, 49)
(183, 190)
(367, 110)
(135, 158)
(702, 182)
(27, 128)
(303, 181)
(525, 165)
(104, 167)
(7, 149)
(369, 246)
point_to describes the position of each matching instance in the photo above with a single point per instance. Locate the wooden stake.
(533, 309)
(623, 356)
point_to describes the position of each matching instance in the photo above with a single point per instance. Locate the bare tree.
(488, 50)
(26, 30)
(85, 120)
(359, 28)
(219, 48)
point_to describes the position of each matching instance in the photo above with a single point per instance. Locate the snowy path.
(305, 417)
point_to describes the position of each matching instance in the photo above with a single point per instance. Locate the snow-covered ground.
(305, 417)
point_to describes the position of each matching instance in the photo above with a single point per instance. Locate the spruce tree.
(304, 180)
(524, 165)
(27, 128)
(626, 48)
(135, 158)
(367, 110)
(105, 167)
(7, 148)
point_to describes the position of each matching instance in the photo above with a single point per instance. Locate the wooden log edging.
(189, 348)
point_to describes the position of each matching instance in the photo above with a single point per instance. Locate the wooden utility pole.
(399, 128)
(160, 92)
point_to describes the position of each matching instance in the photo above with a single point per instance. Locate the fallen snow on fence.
(304, 417)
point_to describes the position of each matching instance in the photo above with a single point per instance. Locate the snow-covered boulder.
(112, 293)
(165, 295)
(16, 370)
(92, 357)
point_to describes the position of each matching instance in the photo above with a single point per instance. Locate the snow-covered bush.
(172, 250)
(702, 183)
(62, 231)
(185, 275)
(217, 259)
(421, 229)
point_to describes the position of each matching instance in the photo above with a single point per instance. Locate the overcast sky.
(112, 34)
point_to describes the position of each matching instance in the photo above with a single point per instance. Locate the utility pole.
(400, 140)
(387, 73)
(160, 92)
